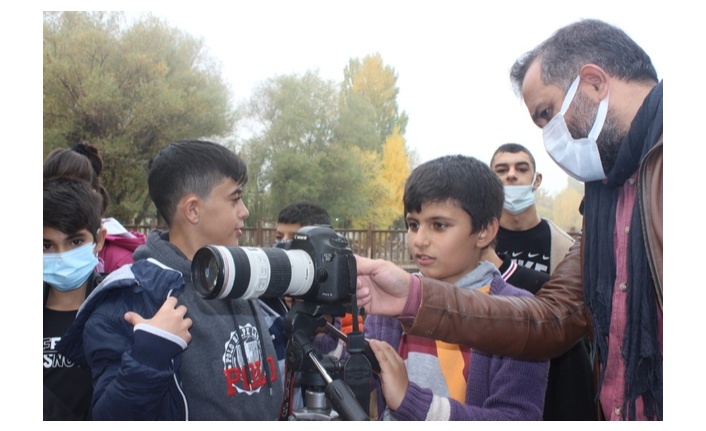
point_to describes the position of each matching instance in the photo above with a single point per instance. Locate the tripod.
(327, 397)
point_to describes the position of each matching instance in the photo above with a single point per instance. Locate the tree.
(544, 203)
(370, 119)
(396, 168)
(356, 123)
(347, 190)
(316, 140)
(377, 83)
(292, 154)
(128, 89)
(566, 207)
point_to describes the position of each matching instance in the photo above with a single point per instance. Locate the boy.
(536, 243)
(297, 215)
(143, 368)
(531, 241)
(453, 205)
(84, 161)
(73, 236)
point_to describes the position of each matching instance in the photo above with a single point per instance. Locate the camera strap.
(357, 371)
(286, 409)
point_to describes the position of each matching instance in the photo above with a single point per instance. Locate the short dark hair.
(185, 167)
(304, 213)
(583, 42)
(514, 149)
(71, 204)
(466, 180)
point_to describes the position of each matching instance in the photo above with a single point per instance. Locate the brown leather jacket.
(556, 318)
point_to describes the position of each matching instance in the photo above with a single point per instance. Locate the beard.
(611, 136)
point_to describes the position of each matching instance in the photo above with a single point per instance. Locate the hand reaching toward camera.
(382, 287)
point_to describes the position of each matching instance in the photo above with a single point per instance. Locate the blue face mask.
(519, 198)
(69, 270)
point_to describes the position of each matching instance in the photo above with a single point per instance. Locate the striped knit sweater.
(496, 388)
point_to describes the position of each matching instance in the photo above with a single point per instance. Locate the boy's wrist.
(162, 334)
(153, 349)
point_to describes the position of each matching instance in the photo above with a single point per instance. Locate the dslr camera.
(316, 266)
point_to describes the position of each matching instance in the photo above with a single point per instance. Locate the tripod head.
(345, 397)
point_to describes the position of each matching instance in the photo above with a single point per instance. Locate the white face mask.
(577, 157)
(518, 198)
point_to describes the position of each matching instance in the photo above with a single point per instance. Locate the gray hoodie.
(229, 371)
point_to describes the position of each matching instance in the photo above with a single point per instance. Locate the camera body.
(316, 266)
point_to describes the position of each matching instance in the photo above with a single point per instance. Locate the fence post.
(370, 241)
(259, 233)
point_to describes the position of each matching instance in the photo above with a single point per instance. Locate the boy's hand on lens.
(171, 318)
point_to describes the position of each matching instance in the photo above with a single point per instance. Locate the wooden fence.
(375, 243)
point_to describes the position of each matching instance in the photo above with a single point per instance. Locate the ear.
(487, 234)
(189, 208)
(596, 80)
(537, 181)
(100, 239)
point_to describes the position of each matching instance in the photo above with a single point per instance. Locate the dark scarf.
(640, 350)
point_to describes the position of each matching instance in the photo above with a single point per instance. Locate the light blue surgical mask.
(519, 198)
(69, 270)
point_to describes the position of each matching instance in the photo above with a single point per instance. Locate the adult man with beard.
(595, 93)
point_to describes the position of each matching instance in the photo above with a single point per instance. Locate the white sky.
(452, 59)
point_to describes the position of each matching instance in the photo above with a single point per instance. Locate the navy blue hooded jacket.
(135, 372)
